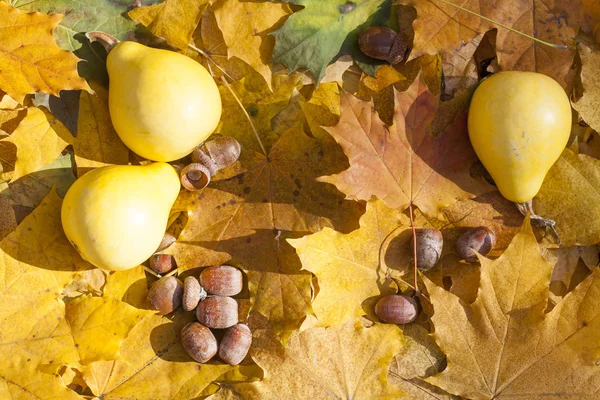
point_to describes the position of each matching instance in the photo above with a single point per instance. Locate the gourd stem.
(555, 46)
(106, 40)
(245, 113)
(536, 220)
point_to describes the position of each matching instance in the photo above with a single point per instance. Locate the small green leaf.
(312, 37)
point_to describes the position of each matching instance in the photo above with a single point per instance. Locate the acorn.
(429, 248)
(199, 342)
(217, 312)
(383, 43)
(207, 159)
(222, 280)
(165, 295)
(235, 344)
(193, 293)
(397, 309)
(162, 263)
(481, 240)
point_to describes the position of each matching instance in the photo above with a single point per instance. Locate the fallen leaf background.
(338, 150)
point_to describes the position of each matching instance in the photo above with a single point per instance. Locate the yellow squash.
(116, 216)
(162, 104)
(519, 124)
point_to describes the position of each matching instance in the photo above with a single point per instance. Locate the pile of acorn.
(210, 295)
(402, 309)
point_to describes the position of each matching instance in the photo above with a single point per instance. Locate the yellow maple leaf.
(129, 286)
(346, 362)
(570, 196)
(245, 27)
(30, 60)
(153, 365)
(504, 345)
(589, 103)
(348, 266)
(36, 262)
(173, 20)
(97, 144)
(39, 138)
(99, 325)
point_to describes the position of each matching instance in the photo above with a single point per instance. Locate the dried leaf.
(154, 366)
(174, 20)
(99, 325)
(489, 343)
(569, 195)
(492, 210)
(89, 282)
(36, 262)
(348, 266)
(404, 163)
(97, 144)
(30, 60)
(129, 286)
(65, 107)
(246, 220)
(39, 139)
(589, 103)
(350, 361)
(27, 192)
(246, 27)
(552, 22)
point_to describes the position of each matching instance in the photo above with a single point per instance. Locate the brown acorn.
(165, 295)
(235, 344)
(222, 280)
(481, 240)
(217, 312)
(383, 43)
(199, 342)
(429, 248)
(193, 293)
(162, 263)
(207, 159)
(397, 309)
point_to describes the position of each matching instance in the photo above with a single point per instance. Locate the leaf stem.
(555, 46)
(245, 113)
(209, 58)
(148, 270)
(414, 235)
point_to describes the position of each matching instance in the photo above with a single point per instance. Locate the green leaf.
(312, 37)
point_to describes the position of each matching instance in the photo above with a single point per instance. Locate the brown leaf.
(30, 60)
(404, 163)
(589, 104)
(441, 27)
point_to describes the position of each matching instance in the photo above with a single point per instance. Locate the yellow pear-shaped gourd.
(116, 216)
(162, 104)
(519, 124)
